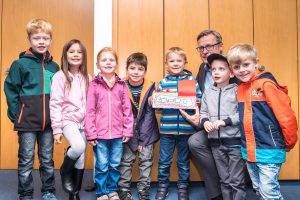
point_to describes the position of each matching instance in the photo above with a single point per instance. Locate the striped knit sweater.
(171, 121)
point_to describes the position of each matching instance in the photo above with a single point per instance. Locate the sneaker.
(125, 195)
(103, 197)
(49, 196)
(113, 196)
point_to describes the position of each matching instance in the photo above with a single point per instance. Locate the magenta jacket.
(108, 110)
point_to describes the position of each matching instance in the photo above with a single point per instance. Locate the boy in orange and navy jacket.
(268, 124)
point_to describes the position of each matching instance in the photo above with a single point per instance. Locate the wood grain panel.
(70, 19)
(233, 19)
(275, 36)
(184, 20)
(0, 67)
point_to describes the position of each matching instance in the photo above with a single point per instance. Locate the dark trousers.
(167, 146)
(231, 168)
(27, 142)
(200, 148)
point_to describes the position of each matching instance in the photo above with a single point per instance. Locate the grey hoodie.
(221, 104)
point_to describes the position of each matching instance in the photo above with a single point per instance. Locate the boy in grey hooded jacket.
(220, 119)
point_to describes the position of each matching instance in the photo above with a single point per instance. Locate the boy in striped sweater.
(174, 128)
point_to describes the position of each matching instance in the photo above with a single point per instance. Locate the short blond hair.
(36, 25)
(239, 52)
(178, 51)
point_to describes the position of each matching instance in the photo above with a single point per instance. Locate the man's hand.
(140, 148)
(194, 119)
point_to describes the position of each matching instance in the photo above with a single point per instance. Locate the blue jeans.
(167, 146)
(108, 154)
(27, 142)
(264, 179)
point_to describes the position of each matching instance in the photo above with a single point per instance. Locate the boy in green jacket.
(27, 89)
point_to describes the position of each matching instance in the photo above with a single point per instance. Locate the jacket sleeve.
(280, 103)
(204, 116)
(56, 102)
(127, 114)
(12, 87)
(91, 109)
(148, 121)
(233, 118)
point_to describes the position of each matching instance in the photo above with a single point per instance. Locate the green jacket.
(27, 90)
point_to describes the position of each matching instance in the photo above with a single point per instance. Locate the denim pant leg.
(101, 151)
(167, 145)
(45, 153)
(126, 168)
(25, 162)
(183, 159)
(266, 179)
(145, 165)
(116, 151)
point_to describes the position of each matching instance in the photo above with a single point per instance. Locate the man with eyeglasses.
(209, 41)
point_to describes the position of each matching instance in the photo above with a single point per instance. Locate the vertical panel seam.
(253, 19)
(208, 7)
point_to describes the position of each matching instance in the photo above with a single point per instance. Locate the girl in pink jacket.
(109, 122)
(67, 112)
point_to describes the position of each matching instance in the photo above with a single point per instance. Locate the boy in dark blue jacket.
(145, 129)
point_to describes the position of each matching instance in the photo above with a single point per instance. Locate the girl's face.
(74, 55)
(107, 63)
(175, 63)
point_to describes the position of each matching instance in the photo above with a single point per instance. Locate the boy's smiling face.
(245, 69)
(40, 42)
(136, 73)
(175, 63)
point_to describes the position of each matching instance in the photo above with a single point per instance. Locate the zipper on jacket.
(177, 79)
(272, 135)
(44, 91)
(219, 105)
(109, 112)
(21, 113)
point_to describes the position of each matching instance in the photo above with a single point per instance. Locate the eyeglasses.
(207, 47)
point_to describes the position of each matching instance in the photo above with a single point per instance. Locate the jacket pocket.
(272, 134)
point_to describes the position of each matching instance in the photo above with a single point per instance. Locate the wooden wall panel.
(184, 20)
(138, 26)
(233, 19)
(275, 36)
(0, 67)
(139, 29)
(67, 24)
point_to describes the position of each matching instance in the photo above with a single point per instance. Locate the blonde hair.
(107, 49)
(239, 52)
(35, 25)
(179, 51)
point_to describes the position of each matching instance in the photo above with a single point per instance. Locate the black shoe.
(77, 177)
(125, 195)
(183, 193)
(66, 173)
(162, 191)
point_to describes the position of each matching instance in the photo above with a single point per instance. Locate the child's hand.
(140, 148)
(208, 126)
(57, 138)
(150, 100)
(125, 139)
(194, 119)
(219, 123)
(93, 142)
